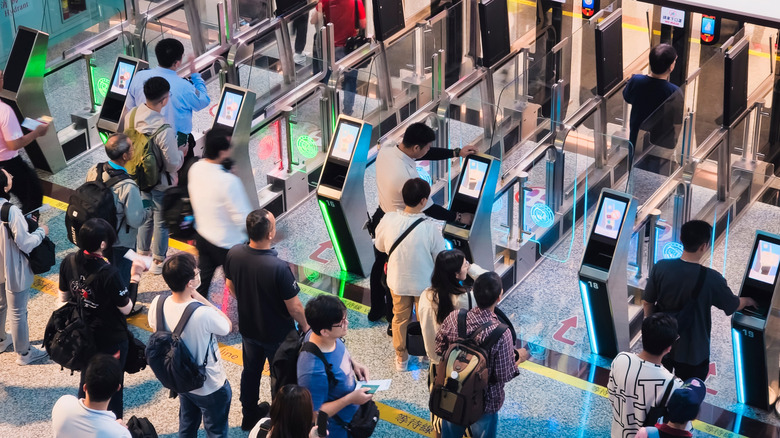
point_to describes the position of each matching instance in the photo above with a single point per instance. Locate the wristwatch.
(457, 152)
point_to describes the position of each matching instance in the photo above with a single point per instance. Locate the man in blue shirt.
(327, 317)
(185, 96)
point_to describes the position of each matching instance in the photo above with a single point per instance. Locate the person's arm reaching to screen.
(196, 97)
(435, 154)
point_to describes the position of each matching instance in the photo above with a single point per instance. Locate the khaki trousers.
(402, 314)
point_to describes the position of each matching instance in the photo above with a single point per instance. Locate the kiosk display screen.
(228, 108)
(122, 74)
(388, 18)
(708, 28)
(766, 261)
(344, 141)
(610, 218)
(18, 59)
(472, 181)
(285, 6)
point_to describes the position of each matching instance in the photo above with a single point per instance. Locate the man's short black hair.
(217, 140)
(694, 234)
(258, 224)
(323, 312)
(168, 51)
(117, 145)
(418, 134)
(659, 331)
(178, 270)
(414, 191)
(102, 377)
(95, 231)
(661, 58)
(487, 289)
(155, 89)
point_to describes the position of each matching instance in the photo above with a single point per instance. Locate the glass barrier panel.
(704, 184)
(308, 145)
(261, 72)
(66, 95)
(522, 18)
(636, 40)
(305, 39)
(265, 151)
(760, 64)
(404, 69)
(707, 98)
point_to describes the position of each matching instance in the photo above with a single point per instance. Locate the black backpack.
(141, 427)
(93, 199)
(170, 359)
(177, 213)
(68, 339)
(42, 257)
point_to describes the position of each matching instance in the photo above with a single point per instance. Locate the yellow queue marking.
(602, 391)
(352, 305)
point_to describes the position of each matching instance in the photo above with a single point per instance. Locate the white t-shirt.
(393, 169)
(71, 419)
(634, 387)
(204, 322)
(9, 131)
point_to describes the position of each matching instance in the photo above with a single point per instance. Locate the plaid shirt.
(502, 356)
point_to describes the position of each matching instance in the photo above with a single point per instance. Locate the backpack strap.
(185, 317)
(404, 234)
(132, 117)
(667, 393)
(115, 175)
(462, 323)
(160, 317)
(5, 213)
(311, 347)
(494, 336)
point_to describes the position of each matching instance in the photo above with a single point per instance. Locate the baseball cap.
(683, 405)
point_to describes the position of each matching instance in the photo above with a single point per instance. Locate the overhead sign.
(672, 17)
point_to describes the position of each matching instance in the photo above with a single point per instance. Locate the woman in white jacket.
(16, 277)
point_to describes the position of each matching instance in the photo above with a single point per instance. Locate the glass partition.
(522, 18)
(704, 94)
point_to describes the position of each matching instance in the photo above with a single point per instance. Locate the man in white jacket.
(410, 265)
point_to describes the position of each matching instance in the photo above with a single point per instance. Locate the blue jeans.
(350, 84)
(213, 408)
(254, 354)
(154, 229)
(485, 427)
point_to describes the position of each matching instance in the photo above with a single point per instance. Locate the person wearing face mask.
(219, 203)
(106, 300)
(211, 402)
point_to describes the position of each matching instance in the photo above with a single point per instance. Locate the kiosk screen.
(18, 59)
(228, 108)
(766, 261)
(708, 28)
(388, 18)
(472, 181)
(610, 218)
(344, 141)
(285, 6)
(122, 74)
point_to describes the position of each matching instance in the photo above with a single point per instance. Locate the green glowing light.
(101, 86)
(332, 234)
(342, 283)
(311, 274)
(103, 136)
(307, 146)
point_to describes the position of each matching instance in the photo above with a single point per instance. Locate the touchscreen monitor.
(345, 140)
(122, 75)
(766, 261)
(610, 217)
(708, 23)
(589, 8)
(472, 181)
(228, 108)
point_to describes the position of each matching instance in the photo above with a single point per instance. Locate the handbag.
(363, 422)
(41, 258)
(415, 345)
(359, 39)
(136, 354)
(395, 245)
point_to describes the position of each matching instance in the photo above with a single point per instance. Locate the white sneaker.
(299, 58)
(401, 365)
(5, 343)
(156, 268)
(33, 355)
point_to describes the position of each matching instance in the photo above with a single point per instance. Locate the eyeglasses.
(344, 322)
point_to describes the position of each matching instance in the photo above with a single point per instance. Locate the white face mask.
(196, 281)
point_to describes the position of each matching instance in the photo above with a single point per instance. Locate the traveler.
(149, 120)
(106, 300)
(686, 288)
(130, 210)
(394, 166)
(211, 402)
(12, 139)
(220, 206)
(683, 407)
(268, 305)
(415, 242)
(89, 416)
(637, 383)
(327, 316)
(16, 281)
(186, 95)
(502, 360)
(291, 416)
(445, 294)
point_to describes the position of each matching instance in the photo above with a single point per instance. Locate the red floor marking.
(316, 254)
(565, 326)
(713, 372)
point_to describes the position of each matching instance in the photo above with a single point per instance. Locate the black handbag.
(42, 257)
(359, 39)
(363, 422)
(415, 345)
(136, 354)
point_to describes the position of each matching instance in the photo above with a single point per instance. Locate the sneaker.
(249, 421)
(5, 343)
(299, 58)
(375, 315)
(401, 365)
(390, 329)
(32, 355)
(156, 268)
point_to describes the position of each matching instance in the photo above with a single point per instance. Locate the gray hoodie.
(130, 211)
(148, 122)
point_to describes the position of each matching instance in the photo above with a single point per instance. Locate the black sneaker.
(249, 421)
(375, 315)
(390, 329)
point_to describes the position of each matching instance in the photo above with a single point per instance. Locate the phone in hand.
(31, 124)
(322, 424)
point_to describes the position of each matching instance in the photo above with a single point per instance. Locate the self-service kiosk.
(602, 276)
(234, 113)
(112, 112)
(23, 91)
(475, 193)
(341, 197)
(755, 331)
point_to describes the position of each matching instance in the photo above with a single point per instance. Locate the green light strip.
(332, 234)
